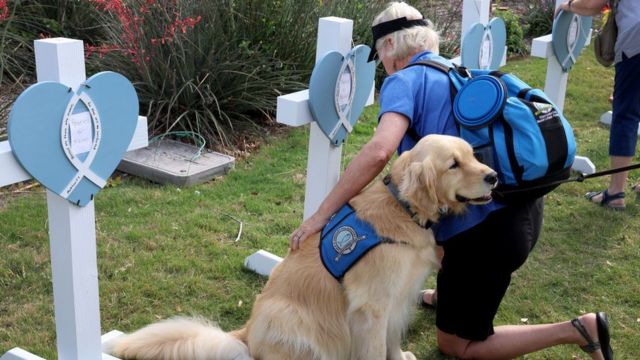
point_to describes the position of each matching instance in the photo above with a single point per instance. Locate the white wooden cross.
(72, 232)
(555, 86)
(323, 163)
(474, 11)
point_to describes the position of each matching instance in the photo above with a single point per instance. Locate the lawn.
(165, 251)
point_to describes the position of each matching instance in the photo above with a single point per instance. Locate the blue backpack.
(514, 129)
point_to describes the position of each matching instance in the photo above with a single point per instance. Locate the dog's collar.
(393, 189)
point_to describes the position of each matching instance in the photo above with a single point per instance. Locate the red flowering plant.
(130, 17)
(216, 67)
(4, 10)
(193, 64)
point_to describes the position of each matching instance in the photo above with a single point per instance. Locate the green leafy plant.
(22, 22)
(216, 69)
(446, 17)
(538, 17)
(516, 45)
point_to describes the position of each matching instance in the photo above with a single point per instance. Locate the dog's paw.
(408, 355)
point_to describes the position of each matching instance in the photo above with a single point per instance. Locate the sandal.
(426, 305)
(603, 336)
(606, 199)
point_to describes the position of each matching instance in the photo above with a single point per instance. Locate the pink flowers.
(4, 10)
(178, 24)
(131, 19)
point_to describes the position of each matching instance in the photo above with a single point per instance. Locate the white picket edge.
(106, 339)
(606, 118)
(21, 354)
(583, 165)
(262, 262)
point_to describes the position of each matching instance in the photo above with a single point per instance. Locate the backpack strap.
(454, 85)
(459, 71)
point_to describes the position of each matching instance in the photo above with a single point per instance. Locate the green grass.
(164, 251)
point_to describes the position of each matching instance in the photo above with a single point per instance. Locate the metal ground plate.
(170, 161)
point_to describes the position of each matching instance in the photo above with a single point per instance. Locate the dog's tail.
(181, 338)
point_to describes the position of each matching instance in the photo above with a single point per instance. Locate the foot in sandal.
(594, 331)
(604, 199)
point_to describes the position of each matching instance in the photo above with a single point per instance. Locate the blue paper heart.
(569, 36)
(494, 35)
(42, 139)
(336, 111)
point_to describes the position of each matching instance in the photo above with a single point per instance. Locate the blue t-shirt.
(423, 95)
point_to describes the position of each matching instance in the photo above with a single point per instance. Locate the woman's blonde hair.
(406, 41)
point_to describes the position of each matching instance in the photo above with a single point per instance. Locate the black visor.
(391, 26)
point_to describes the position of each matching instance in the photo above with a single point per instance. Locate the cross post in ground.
(72, 232)
(323, 162)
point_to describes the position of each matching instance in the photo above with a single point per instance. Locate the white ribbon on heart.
(343, 113)
(485, 59)
(83, 167)
(573, 34)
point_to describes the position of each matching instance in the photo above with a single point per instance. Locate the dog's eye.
(454, 165)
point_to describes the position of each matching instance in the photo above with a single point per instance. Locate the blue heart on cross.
(483, 46)
(72, 141)
(569, 36)
(339, 89)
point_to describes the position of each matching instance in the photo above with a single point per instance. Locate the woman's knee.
(452, 345)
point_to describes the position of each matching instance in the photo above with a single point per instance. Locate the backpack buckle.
(462, 71)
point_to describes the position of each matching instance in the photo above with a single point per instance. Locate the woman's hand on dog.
(308, 227)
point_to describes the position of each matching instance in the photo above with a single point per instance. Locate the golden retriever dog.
(303, 312)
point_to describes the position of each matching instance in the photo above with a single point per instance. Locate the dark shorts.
(626, 107)
(477, 266)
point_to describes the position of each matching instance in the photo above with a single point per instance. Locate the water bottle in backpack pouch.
(514, 129)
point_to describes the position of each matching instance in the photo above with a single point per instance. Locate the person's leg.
(624, 126)
(510, 341)
(477, 266)
(476, 272)
(619, 180)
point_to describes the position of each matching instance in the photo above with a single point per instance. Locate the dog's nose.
(492, 178)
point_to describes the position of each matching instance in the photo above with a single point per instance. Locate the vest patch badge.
(344, 240)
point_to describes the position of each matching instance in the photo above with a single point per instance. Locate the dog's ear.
(419, 184)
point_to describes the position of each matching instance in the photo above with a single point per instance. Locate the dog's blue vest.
(346, 239)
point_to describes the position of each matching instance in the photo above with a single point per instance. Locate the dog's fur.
(304, 313)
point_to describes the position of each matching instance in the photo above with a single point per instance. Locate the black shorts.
(477, 266)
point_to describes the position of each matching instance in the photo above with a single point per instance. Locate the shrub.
(21, 22)
(539, 17)
(447, 18)
(16, 51)
(515, 38)
(216, 68)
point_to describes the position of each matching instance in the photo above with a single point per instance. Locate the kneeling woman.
(481, 248)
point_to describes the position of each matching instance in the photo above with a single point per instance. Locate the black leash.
(583, 177)
(580, 178)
